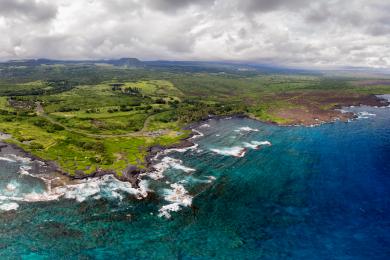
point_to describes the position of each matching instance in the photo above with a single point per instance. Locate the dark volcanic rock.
(130, 174)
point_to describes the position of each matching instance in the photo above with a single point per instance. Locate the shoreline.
(313, 116)
(131, 173)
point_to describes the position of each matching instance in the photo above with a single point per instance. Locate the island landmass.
(87, 119)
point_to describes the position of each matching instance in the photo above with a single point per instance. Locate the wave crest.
(236, 151)
(179, 197)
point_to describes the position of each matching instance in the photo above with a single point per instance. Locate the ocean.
(246, 190)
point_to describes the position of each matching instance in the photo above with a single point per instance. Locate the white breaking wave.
(198, 134)
(107, 186)
(246, 129)
(261, 142)
(166, 163)
(239, 151)
(7, 159)
(164, 210)
(204, 126)
(365, 114)
(9, 206)
(236, 151)
(180, 150)
(24, 160)
(343, 111)
(179, 197)
(24, 170)
(210, 179)
(11, 187)
(250, 145)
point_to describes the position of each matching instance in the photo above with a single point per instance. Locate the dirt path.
(146, 123)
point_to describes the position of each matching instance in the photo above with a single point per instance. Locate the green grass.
(77, 152)
(160, 88)
(88, 124)
(24, 88)
(4, 105)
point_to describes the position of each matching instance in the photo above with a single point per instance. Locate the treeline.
(191, 111)
(46, 124)
(131, 90)
(125, 90)
(87, 74)
(50, 87)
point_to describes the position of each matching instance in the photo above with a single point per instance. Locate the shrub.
(36, 146)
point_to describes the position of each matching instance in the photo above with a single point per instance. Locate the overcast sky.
(287, 32)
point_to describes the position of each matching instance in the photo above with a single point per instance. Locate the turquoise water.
(315, 193)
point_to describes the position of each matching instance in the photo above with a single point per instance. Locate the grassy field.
(89, 118)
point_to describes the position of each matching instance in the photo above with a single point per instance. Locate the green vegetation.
(89, 118)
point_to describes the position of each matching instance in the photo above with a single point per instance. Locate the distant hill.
(172, 66)
(242, 68)
(123, 62)
(220, 67)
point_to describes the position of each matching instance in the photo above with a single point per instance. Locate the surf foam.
(107, 187)
(7, 159)
(180, 150)
(179, 197)
(246, 129)
(197, 134)
(9, 206)
(261, 142)
(166, 163)
(236, 151)
(365, 115)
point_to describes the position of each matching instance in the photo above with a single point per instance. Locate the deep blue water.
(315, 193)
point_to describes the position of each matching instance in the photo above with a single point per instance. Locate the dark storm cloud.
(27, 9)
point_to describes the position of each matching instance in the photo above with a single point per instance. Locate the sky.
(303, 33)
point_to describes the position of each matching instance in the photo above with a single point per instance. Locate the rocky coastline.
(132, 172)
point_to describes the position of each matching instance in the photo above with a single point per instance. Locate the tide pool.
(247, 190)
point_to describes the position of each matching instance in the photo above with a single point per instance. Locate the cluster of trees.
(173, 103)
(127, 90)
(191, 110)
(47, 125)
(168, 116)
(125, 108)
(112, 110)
(116, 86)
(6, 112)
(49, 87)
(132, 90)
(36, 146)
(92, 110)
(68, 109)
(160, 101)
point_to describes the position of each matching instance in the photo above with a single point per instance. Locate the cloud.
(172, 6)
(30, 9)
(251, 6)
(287, 32)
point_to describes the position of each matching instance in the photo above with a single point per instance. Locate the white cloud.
(289, 32)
